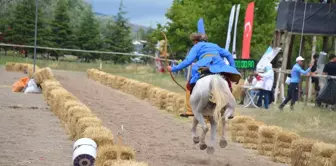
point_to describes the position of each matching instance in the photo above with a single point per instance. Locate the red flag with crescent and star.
(248, 31)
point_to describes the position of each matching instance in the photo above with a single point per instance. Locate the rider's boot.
(188, 106)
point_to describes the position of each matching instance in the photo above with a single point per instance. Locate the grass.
(307, 121)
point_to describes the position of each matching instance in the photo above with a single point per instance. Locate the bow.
(165, 54)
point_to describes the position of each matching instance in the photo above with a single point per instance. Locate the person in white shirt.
(266, 90)
(249, 81)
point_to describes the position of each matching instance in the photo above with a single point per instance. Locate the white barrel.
(84, 152)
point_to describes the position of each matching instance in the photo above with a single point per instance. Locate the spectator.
(266, 91)
(330, 68)
(315, 80)
(250, 81)
(294, 82)
(327, 94)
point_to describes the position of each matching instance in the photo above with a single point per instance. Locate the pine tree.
(89, 34)
(118, 38)
(21, 28)
(63, 36)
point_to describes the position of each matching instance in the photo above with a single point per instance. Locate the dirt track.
(29, 132)
(159, 138)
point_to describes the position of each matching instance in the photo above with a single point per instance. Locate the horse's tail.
(221, 95)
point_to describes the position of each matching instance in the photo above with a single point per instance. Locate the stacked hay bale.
(21, 67)
(238, 128)
(43, 74)
(179, 103)
(123, 163)
(237, 89)
(251, 134)
(267, 136)
(333, 159)
(161, 98)
(9, 66)
(105, 154)
(322, 154)
(80, 121)
(301, 151)
(141, 89)
(282, 147)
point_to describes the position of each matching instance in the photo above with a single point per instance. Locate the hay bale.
(301, 151)
(43, 74)
(282, 147)
(267, 137)
(321, 154)
(251, 134)
(238, 128)
(101, 135)
(333, 159)
(123, 163)
(62, 113)
(109, 152)
(86, 122)
(47, 85)
(57, 98)
(9, 66)
(237, 89)
(74, 114)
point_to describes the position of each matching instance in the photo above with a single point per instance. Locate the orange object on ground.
(20, 84)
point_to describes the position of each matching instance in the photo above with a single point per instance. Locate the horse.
(211, 97)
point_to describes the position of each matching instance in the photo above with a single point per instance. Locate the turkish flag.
(248, 31)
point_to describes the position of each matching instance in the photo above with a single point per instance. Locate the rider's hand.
(169, 68)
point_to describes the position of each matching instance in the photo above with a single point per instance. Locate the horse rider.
(209, 58)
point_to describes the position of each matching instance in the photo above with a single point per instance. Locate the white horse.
(211, 97)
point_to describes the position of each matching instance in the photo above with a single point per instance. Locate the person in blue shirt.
(210, 56)
(293, 89)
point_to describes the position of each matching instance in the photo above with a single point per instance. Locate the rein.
(165, 54)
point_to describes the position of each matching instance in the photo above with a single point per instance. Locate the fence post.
(310, 78)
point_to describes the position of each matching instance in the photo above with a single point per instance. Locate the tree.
(118, 37)
(63, 35)
(21, 28)
(88, 33)
(185, 13)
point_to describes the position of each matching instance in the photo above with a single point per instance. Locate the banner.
(228, 37)
(200, 26)
(267, 58)
(234, 54)
(248, 31)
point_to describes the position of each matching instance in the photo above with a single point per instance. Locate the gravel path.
(29, 132)
(159, 138)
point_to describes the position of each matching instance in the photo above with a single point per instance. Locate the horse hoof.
(223, 143)
(210, 150)
(203, 146)
(196, 140)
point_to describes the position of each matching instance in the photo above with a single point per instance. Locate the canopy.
(320, 18)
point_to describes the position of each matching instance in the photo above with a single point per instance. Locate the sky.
(142, 12)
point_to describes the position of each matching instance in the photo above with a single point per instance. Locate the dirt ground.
(159, 138)
(29, 132)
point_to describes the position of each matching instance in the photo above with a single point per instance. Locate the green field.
(305, 120)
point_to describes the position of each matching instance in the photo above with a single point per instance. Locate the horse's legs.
(205, 128)
(213, 123)
(229, 110)
(193, 131)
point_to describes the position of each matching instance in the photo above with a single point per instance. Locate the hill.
(104, 18)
